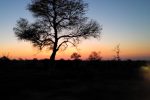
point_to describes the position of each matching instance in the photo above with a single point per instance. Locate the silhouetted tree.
(59, 23)
(95, 56)
(75, 56)
(117, 51)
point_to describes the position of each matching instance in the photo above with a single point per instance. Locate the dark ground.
(72, 80)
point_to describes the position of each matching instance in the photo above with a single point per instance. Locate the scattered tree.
(59, 23)
(117, 51)
(95, 56)
(75, 56)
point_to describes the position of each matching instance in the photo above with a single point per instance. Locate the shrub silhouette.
(4, 58)
(95, 56)
(75, 56)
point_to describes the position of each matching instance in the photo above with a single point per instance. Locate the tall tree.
(58, 24)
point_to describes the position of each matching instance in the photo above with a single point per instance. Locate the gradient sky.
(125, 22)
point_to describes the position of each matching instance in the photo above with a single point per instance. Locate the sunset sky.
(125, 22)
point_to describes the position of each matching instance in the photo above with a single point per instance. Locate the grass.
(72, 80)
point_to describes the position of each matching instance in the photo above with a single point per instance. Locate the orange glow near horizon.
(24, 50)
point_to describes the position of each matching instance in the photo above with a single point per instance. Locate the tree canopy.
(58, 23)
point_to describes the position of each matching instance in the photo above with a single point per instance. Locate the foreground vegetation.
(72, 80)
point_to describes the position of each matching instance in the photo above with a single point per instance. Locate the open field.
(73, 80)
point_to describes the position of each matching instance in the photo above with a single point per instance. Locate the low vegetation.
(73, 80)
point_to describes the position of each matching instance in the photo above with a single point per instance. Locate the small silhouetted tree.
(94, 56)
(75, 56)
(58, 24)
(117, 51)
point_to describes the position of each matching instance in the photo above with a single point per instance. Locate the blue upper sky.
(122, 16)
(124, 21)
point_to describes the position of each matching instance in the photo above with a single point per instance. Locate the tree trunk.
(52, 57)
